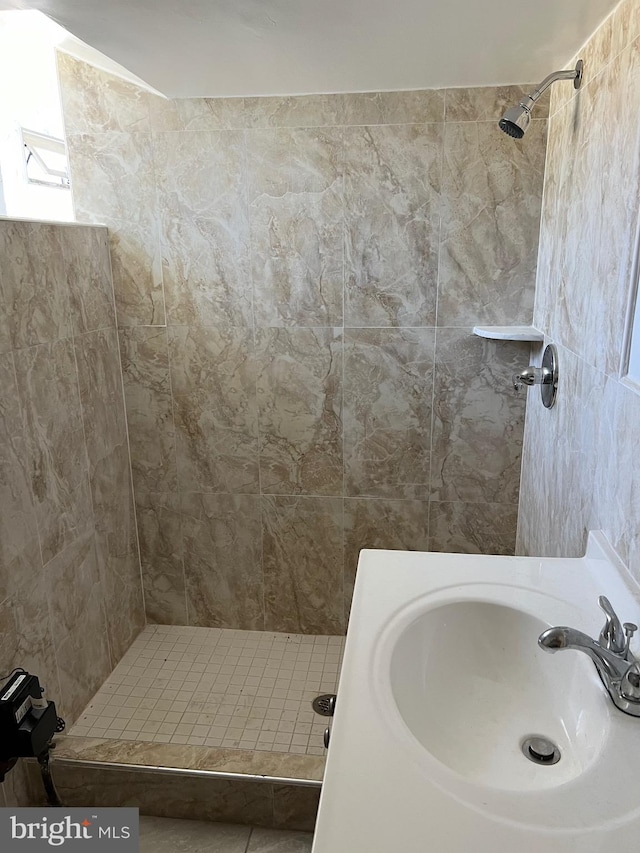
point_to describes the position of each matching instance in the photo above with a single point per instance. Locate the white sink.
(471, 684)
(441, 683)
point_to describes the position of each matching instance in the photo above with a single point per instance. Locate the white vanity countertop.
(383, 791)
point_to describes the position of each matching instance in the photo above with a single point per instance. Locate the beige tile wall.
(296, 281)
(70, 588)
(580, 467)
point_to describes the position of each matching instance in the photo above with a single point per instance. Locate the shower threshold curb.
(231, 764)
(266, 789)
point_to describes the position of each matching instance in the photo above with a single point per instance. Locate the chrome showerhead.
(516, 120)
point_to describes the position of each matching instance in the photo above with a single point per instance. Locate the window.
(45, 160)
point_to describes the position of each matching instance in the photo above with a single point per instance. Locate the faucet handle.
(629, 631)
(612, 636)
(630, 684)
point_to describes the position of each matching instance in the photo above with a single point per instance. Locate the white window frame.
(32, 141)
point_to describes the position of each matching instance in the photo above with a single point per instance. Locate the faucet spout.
(610, 665)
(617, 667)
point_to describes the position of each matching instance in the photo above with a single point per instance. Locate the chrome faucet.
(618, 669)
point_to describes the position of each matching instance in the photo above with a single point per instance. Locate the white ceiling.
(195, 48)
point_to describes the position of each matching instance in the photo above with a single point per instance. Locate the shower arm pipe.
(574, 74)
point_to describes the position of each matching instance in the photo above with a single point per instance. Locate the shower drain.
(540, 750)
(325, 704)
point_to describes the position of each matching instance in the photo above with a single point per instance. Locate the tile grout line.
(254, 333)
(178, 492)
(246, 849)
(103, 606)
(296, 668)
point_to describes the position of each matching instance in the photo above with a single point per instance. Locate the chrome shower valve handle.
(529, 376)
(546, 376)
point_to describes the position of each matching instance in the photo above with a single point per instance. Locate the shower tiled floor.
(217, 688)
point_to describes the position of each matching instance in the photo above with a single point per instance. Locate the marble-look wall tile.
(388, 399)
(294, 807)
(619, 208)
(489, 103)
(80, 637)
(100, 383)
(587, 479)
(18, 787)
(26, 638)
(117, 549)
(300, 410)
(303, 560)
(492, 190)
(205, 228)
(57, 458)
(545, 297)
(616, 506)
(110, 478)
(113, 181)
(34, 293)
(292, 111)
(625, 25)
(473, 528)
(213, 376)
(223, 560)
(5, 332)
(296, 211)
(563, 481)
(616, 32)
(193, 798)
(160, 533)
(295, 234)
(392, 212)
(68, 559)
(197, 114)
(115, 176)
(136, 262)
(147, 388)
(413, 107)
(345, 109)
(578, 236)
(401, 525)
(360, 108)
(478, 419)
(95, 101)
(20, 559)
(85, 253)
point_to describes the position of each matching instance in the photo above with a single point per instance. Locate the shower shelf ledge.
(509, 333)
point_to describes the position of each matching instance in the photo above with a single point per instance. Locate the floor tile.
(279, 841)
(218, 688)
(165, 835)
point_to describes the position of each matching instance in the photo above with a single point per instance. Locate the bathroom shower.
(516, 119)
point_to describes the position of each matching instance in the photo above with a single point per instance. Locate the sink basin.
(442, 683)
(471, 684)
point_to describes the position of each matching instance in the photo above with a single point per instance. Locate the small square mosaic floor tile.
(217, 688)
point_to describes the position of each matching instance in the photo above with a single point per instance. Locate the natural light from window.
(34, 182)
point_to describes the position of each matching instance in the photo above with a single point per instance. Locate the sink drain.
(324, 704)
(540, 750)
